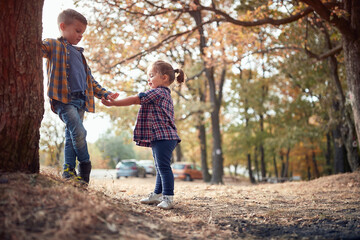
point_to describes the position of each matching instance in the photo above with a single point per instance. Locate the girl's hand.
(109, 101)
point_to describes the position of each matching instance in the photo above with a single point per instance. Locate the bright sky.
(95, 124)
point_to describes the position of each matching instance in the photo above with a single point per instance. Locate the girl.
(155, 127)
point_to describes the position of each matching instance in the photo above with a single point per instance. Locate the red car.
(186, 171)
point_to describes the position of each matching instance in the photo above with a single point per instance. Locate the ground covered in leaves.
(42, 206)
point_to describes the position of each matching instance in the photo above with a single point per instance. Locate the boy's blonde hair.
(69, 15)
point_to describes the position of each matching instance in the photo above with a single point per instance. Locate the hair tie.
(176, 75)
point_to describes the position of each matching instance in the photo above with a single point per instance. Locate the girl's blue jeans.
(162, 153)
(72, 115)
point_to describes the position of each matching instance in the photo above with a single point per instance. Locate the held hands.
(113, 95)
(110, 100)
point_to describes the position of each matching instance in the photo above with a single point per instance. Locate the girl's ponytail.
(179, 75)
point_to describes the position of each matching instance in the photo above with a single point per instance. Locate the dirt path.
(326, 208)
(44, 207)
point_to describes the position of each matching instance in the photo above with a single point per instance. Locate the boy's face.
(73, 32)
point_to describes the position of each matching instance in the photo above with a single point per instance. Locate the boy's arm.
(46, 48)
(99, 91)
(122, 102)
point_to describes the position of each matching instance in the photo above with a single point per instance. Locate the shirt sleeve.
(149, 96)
(46, 48)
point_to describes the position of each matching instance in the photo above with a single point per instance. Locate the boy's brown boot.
(84, 171)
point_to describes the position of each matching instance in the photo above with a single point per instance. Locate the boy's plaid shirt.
(155, 120)
(57, 54)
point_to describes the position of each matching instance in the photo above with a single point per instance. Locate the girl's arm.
(121, 102)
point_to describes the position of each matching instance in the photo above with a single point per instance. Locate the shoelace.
(165, 199)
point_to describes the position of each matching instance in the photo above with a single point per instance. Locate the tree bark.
(178, 152)
(256, 164)
(275, 167)
(21, 89)
(348, 132)
(251, 177)
(202, 139)
(316, 169)
(352, 63)
(339, 151)
(328, 155)
(217, 155)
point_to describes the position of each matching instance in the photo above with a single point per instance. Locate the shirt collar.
(67, 43)
(165, 88)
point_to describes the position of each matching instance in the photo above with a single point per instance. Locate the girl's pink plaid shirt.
(155, 120)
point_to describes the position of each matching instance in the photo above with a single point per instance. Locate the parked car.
(149, 166)
(186, 171)
(129, 168)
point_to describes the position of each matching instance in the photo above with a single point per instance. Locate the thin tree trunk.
(21, 89)
(275, 167)
(251, 177)
(286, 170)
(316, 169)
(339, 151)
(308, 167)
(256, 164)
(178, 152)
(282, 164)
(328, 155)
(262, 152)
(217, 155)
(203, 152)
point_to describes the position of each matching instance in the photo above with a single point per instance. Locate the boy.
(71, 89)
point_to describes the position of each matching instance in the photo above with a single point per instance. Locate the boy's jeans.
(72, 115)
(162, 153)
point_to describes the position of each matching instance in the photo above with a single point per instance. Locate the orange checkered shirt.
(57, 54)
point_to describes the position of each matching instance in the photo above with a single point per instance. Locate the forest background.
(270, 98)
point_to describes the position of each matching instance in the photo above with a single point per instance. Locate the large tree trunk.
(349, 28)
(348, 132)
(352, 63)
(21, 89)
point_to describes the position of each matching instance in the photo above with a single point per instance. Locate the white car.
(149, 166)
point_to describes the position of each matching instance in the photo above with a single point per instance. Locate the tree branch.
(275, 22)
(159, 44)
(339, 22)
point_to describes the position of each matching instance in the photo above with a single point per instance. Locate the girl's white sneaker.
(152, 198)
(167, 202)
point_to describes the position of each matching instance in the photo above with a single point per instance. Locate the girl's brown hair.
(166, 69)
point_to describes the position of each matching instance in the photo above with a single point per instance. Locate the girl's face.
(73, 32)
(156, 79)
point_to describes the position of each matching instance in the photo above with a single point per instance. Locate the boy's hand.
(113, 95)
